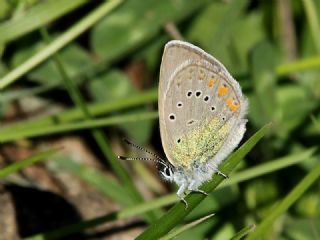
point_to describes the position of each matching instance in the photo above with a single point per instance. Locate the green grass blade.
(175, 232)
(243, 232)
(95, 109)
(37, 16)
(268, 167)
(19, 94)
(59, 43)
(299, 65)
(176, 214)
(7, 136)
(295, 193)
(311, 12)
(26, 162)
(95, 178)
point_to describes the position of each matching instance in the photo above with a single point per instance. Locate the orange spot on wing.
(234, 108)
(223, 91)
(229, 102)
(210, 82)
(232, 105)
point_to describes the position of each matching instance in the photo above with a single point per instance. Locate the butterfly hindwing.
(200, 106)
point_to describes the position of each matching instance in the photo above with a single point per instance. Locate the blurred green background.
(84, 74)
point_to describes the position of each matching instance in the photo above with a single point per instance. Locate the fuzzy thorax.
(190, 179)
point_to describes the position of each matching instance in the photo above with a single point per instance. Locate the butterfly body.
(202, 114)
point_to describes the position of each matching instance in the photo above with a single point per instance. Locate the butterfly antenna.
(143, 149)
(142, 159)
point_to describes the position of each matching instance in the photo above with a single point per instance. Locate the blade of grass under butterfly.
(175, 232)
(177, 213)
(277, 211)
(26, 162)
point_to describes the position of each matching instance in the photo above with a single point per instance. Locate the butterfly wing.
(201, 107)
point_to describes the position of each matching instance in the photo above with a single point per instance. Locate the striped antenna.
(143, 149)
(142, 159)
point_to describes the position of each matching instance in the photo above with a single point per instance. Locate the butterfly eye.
(198, 94)
(189, 94)
(172, 117)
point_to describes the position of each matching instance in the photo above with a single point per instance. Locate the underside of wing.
(200, 104)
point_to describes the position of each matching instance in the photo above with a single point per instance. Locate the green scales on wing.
(202, 142)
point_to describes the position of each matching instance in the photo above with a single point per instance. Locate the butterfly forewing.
(199, 105)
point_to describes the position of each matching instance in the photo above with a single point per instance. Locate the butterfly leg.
(184, 201)
(216, 169)
(222, 174)
(180, 193)
(193, 188)
(200, 191)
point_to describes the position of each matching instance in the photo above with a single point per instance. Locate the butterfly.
(201, 116)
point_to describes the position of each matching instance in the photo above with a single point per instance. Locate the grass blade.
(59, 43)
(11, 135)
(298, 66)
(95, 109)
(295, 193)
(311, 12)
(26, 162)
(95, 178)
(243, 232)
(38, 16)
(175, 232)
(268, 167)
